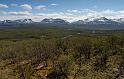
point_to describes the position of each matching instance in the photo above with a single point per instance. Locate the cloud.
(88, 13)
(73, 11)
(13, 17)
(3, 12)
(53, 4)
(29, 7)
(72, 15)
(62, 15)
(20, 13)
(3, 6)
(26, 6)
(112, 14)
(40, 7)
(14, 5)
(80, 11)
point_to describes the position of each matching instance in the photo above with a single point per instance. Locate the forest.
(61, 53)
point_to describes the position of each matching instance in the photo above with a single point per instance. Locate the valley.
(53, 52)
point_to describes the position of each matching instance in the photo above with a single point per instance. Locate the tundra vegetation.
(61, 53)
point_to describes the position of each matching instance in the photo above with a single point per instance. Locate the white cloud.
(53, 4)
(121, 11)
(3, 12)
(13, 17)
(67, 15)
(87, 13)
(73, 11)
(80, 11)
(20, 13)
(3, 6)
(14, 5)
(26, 6)
(40, 7)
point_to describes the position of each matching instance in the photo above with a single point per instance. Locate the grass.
(61, 53)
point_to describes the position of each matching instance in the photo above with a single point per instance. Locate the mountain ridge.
(88, 21)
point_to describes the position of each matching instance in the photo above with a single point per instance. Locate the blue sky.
(66, 9)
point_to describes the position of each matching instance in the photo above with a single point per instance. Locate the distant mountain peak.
(18, 21)
(100, 20)
(54, 21)
(24, 21)
(91, 21)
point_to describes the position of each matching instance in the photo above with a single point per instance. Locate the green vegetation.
(61, 53)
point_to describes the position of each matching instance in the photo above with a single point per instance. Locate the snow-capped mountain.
(79, 22)
(25, 21)
(88, 21)
(0, 22)
(120, 20)
(19, 21)
(101, 20)
(54, 21)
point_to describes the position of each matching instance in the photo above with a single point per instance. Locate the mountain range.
(88, 21)
(101, 20)
(19, 21)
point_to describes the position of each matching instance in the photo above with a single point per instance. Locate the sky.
(70, 10)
